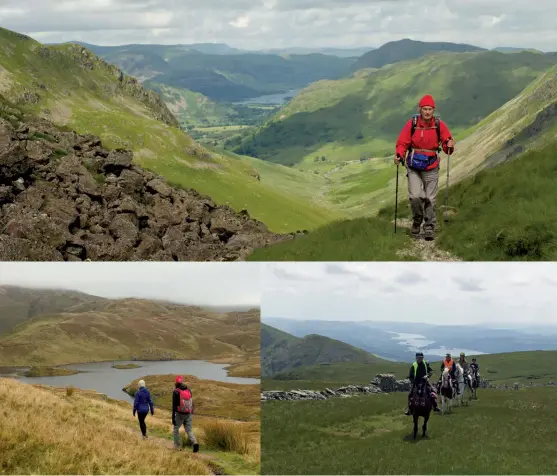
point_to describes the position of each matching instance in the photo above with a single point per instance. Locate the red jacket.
(423, 139)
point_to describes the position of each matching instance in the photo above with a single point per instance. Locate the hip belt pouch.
(420, 161)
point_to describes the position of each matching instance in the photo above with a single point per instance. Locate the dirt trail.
(210, 461)
(421, 249)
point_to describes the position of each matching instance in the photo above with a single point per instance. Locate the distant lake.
(102, 378)
(270, 99)
(417, 342)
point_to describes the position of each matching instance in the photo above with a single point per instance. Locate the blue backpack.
(419, 161)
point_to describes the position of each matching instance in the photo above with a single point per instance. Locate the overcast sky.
(258, 24)
(212, 284)
(499, 294)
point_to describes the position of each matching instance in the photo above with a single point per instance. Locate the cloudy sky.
(210, 284)
(495, 294)
(258, 24)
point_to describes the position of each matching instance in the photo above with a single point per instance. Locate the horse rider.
(419, 370)
(475, 369)
(463, 362)
(449, 363)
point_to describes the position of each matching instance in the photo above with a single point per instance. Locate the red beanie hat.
(427, 100)
(179, 379)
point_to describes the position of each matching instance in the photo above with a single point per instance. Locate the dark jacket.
(424, 369)
(475, 368)
(142, 402)
(176, 399)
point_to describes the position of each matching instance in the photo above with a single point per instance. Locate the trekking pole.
(396, 203)
(447, 189)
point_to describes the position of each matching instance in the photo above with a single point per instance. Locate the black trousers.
(142, 425)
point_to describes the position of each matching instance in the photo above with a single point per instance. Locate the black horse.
(421, 406)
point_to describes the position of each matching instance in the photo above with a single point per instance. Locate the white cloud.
(214, 284)
(436, 293)
(258, 24)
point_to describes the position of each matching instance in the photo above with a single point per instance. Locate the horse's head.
(445, 376)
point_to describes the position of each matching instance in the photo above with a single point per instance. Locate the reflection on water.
(102, 378)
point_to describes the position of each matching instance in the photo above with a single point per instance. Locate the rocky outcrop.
(388, 383)
(382, 383)
(63, 196)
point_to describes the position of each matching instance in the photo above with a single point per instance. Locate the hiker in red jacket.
(182, 412)
(422, 138)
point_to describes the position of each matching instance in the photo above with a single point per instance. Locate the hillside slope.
(406, 49)
(501, 160)
(73, 88)
(363, 115)
(47, 431)
(17, 304)
(281, 352)
(133, 328)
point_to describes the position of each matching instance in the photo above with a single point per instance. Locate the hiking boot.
(429, 234)
(196, 447)
(407, 412)
(144, 437)
(415, 230)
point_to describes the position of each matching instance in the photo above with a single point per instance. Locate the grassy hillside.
(404, 50)
(47, 431)
(503, 432)
(217, 399)
(220, 77)
(194, 110)
(73, 88)
(113, 332)
(18, 304)
(341, 120)
(281, 352)
(501, 160)
(504, 368)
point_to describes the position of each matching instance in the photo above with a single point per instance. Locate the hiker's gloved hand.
(398, 159)
(450, 146)
(134, 413)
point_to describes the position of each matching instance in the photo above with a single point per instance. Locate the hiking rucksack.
(186, 402)
(415, 118)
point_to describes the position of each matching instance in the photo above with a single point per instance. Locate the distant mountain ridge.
(406, 49)
(281, 352)
(73, 327)
(377, 337)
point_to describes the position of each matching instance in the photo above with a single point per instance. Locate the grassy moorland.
(113, 329)
(78, 432)
(505, 432)
(508, 431)
(212, 398)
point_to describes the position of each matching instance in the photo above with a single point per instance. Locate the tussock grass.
(229, 436)
(44, 433)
